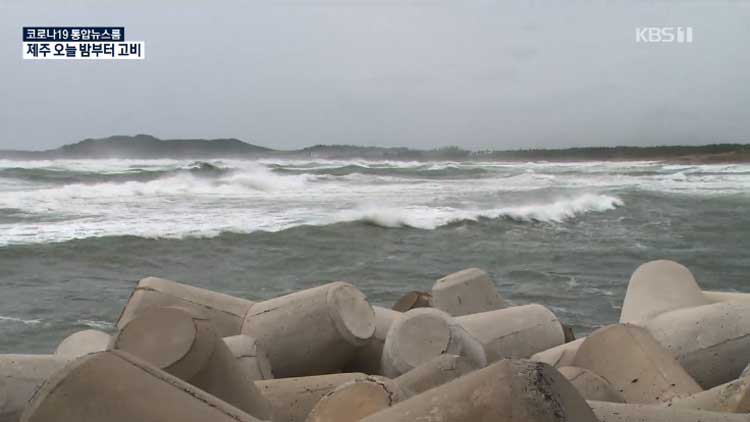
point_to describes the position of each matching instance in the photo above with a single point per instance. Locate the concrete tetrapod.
(313, 331)
(422, 334)
(368, 358)
(357, 399)
(709, 341)
(354, 400)
(559, 356)
(636, 365)
(292, 399)
(733, 397)
(657, 287)
(466, 292)
(251, 358)
(506, 391)
(590, 385)
(515, 333)
(114, 386)
(620, 412)
(20, 376)
(412, 300)
(83, 342)
(435, 372)
(709, 338)
(713, 296)
(226, 312)
(187, 346)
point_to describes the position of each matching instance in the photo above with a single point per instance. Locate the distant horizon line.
(416, 149)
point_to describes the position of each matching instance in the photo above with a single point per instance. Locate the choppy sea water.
(75, 236)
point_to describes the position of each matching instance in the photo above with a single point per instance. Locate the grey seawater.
(575, 260)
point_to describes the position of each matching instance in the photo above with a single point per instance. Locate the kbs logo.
(664, 34)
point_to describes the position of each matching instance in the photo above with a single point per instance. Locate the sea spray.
(59, 200)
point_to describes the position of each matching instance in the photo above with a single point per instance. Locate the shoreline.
(708, 159)
(144, 147)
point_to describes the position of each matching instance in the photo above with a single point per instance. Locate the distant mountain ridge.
(147, 146)
(150, 147)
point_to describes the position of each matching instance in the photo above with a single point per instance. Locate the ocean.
(75, 236)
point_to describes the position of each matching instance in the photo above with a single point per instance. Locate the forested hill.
(147, 146)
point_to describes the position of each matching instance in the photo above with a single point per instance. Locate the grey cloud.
(481, 74)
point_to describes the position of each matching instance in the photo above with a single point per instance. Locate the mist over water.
(76, 235)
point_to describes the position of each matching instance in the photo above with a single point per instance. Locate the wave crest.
(423, 170)
(430, 218)
(61, 176)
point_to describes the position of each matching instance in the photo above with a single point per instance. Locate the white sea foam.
(99, 325)
(248, 196)
(20, 320)
(429, 218)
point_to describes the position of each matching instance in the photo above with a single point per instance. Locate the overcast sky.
(420, 73)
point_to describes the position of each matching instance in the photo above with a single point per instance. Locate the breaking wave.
(64, 176)
(428, 218)
(58, 200)
(433, 170)
(200, 180)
